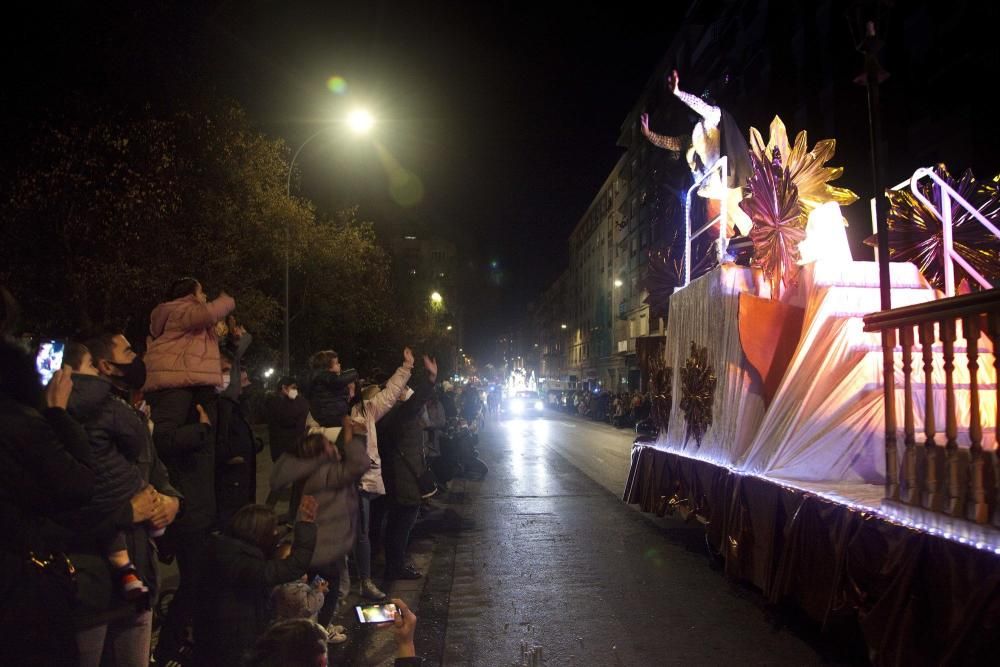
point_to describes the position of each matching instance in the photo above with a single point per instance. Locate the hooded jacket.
(116, 437)
(403, 445)
(334, 485)
(182, 349)
(233, 609)
(327, 394)
(374, 409)
(114, 429)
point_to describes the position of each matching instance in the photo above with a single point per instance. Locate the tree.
(101, 217)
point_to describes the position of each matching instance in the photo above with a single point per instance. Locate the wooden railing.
(958, 479)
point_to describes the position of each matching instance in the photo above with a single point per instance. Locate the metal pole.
(285, 343)
(873, 71)
(285, 367)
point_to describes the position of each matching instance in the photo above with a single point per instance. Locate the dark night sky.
(508, 113)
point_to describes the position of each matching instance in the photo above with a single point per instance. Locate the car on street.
(524, 403)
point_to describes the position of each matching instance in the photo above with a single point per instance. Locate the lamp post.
(360, 122)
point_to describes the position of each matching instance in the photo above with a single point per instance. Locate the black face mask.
(133, 374)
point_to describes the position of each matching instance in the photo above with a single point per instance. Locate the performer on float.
(715, 134)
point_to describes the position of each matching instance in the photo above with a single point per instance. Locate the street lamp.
(618, 282)
(436, 298)
(563, 326)
(448, 328)
(361, 122)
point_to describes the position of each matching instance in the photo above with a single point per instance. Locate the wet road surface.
(543, 551)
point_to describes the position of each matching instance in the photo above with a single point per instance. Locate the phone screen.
(376, 613)
(49, 359)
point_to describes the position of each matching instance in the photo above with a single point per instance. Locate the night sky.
(508, 113)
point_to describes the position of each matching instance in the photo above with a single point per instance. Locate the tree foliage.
(101, 216)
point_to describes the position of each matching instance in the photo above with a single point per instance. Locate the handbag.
(426, 482)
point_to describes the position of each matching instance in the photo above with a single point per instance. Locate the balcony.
(959, 477)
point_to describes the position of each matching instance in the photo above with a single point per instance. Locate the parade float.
(842, 458)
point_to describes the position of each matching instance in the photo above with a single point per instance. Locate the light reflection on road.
(527, 438)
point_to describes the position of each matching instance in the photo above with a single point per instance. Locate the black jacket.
(111, 422)
(401, 445)
(116, 437)
(45, 469)
(235, 460)
(187, 448)
(233, 598)
(327, 395)
(286, 423)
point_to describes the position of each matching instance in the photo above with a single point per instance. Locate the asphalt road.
(547, 554)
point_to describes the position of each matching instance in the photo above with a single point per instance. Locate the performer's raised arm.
(711, 114)
(675, 144)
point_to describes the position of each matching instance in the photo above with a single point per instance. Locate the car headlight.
(517, 406)
(539, 405)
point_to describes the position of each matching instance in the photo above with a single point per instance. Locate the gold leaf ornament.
(805, 167)
(697, 381)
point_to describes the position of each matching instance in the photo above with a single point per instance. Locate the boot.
(370, 591)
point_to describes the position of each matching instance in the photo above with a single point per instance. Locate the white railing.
(948, 194)
(720, 165)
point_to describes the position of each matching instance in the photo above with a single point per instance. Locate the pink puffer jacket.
(182, 349)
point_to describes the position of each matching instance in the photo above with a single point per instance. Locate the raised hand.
(644, 122)
(432, 367)
(59, 388)
(673, 81)
(408, 360)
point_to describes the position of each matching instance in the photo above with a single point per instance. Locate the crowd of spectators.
(123, 460)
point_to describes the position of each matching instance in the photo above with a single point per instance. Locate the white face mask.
(225, 383)
(293, 394)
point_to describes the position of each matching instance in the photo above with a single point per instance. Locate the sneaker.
(370, 591)
(133, 588)
(336, 634)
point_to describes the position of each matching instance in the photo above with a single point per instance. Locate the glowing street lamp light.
(563, 326)
(360, 121)
(448, 328)
(618, 282)
(436, 298)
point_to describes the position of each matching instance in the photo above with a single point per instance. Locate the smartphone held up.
(49, 359)
(385, 612)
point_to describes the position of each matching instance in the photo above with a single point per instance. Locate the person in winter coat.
(235, 444)
(183, 346)
(365, 413)
(402, 440)
(241, 569)
(327, 391)
(184, 370)
(108, 627)
(330, 472)
(285, 412)
(46, 467)
(115, 458)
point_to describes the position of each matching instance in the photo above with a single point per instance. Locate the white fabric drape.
(826, 420)
(707, 312)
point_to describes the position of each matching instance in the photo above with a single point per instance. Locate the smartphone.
(376, 613)
(49, 359)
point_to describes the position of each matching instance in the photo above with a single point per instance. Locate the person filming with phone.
(302, 643)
